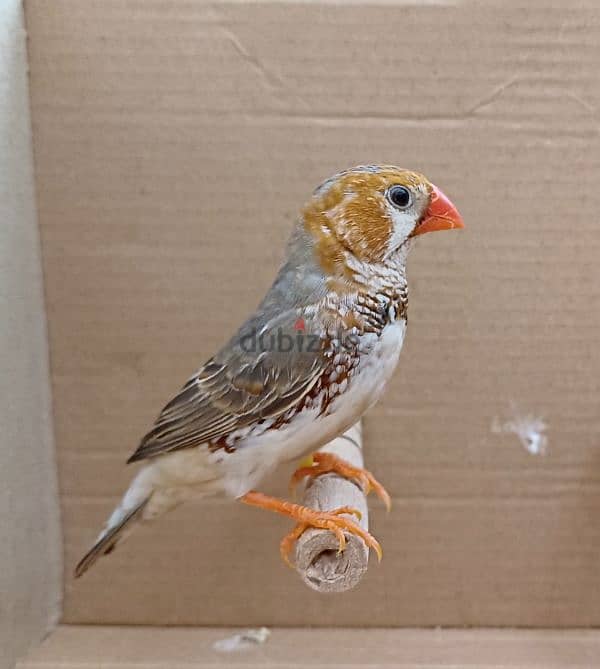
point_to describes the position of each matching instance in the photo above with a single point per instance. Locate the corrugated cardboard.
(174, 144)
(30, 543)
(123, 647)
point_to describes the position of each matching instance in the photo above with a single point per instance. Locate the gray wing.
(253, 378)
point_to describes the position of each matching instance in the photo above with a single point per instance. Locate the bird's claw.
(327, 463)
(332, 521)
(306, 518)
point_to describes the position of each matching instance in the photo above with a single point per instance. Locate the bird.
(303, 368)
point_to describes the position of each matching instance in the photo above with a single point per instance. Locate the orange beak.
(440, 215)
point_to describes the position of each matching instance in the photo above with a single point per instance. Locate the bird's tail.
(108, 539)
(121, 520)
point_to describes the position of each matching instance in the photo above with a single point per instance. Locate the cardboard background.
(123, 647)
(30, 545)
(174, 143)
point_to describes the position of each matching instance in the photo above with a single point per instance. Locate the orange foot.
(326, 463)
(325, 520)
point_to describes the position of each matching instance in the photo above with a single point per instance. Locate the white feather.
(193, 473)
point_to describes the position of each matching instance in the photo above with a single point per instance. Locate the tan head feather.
(350, 214)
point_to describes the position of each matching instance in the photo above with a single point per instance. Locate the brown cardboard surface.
(30, 553)
(122, 647)
(175, 142)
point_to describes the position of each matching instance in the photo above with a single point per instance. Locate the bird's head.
(369, 214)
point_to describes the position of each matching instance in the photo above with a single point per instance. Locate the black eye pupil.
(399, 196)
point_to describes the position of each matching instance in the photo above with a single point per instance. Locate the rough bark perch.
(317, 559)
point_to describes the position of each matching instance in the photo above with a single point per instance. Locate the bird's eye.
(399, 196)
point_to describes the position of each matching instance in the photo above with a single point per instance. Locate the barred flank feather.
(109, 538)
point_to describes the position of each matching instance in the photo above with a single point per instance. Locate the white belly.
(244, 469)
(191, 472)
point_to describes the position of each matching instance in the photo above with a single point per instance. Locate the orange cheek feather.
(349, 217)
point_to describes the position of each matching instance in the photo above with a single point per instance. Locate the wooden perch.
(317, 559)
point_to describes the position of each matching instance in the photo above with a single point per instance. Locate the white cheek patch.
(404, 223)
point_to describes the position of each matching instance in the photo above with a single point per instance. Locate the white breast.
(306, 432)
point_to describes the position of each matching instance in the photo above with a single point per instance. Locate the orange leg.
(325, 520)
(326, 463)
